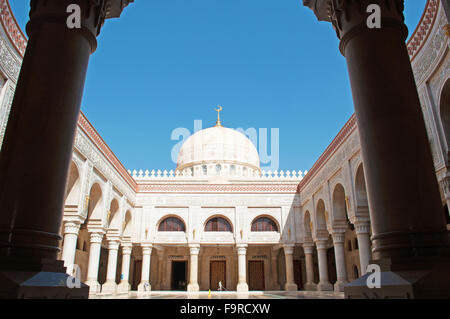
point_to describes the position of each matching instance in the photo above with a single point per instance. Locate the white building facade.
(218, 220)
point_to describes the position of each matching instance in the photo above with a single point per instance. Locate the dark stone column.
(37, 148)
(409, 232)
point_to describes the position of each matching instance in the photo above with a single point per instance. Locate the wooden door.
(217, 273)
(298, 273)
(256, 275)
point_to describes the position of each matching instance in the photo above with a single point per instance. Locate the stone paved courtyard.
(224, 295)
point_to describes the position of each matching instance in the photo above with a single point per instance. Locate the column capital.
(362, 227)
(194, 249)
(146, 248)
(94, 14)
(338, 237)
(321, 244)
(96, 237)
(288, 249)
(308, 248)
(71, 227)
(349, 18)
(242, 249)
(113, 244)
(126, 248)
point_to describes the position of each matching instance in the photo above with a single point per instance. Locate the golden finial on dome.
(218, 110)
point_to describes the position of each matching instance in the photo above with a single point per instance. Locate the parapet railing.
(141, 175)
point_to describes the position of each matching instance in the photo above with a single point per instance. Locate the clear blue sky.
(166, 63)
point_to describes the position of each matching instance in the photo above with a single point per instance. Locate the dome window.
(218, 224)
(172, 224)
(264, 224)
(205, 170)
(232, 170)
(218, 168)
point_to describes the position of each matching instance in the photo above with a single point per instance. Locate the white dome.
(218, 145)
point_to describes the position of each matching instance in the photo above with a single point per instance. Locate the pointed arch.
(73, 186)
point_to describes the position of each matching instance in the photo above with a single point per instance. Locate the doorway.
(137, 274)
(179, 270)
(256, 275)
(298, 274)
(217, 274)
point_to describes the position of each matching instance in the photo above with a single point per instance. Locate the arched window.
(232, 169)
(218, 168)
(264, 224)
(205, 169)
(218, 224)
(171, 224)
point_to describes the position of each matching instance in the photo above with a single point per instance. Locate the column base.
(144, 287)
(94, 287)
(324, 286)
(123, 287)
(193, 288)
(339, 286)
(290, 287)
(109, 287)
(310, 286)
(242, 287)
(413, 279)
(44, 279)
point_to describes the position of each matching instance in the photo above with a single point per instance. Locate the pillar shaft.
(365, 254)
(193, 268)
(94, 259)
(124, 285)
(126, 257)
(339, 253)
(289, 261)
(145, 274)
(110, 285)
(242, 269)
(308, 249)
(71, 230)
(324, 283)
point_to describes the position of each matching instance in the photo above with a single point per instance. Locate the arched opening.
(95, 205)
(72, 186)
(113, 215)
(320, 216)
(360, 188)
(264, 224)
(307, 225)
(218, 224)
(127, 225)
(172, 224)
(321, 224)
(339, 204)
(445, 113)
